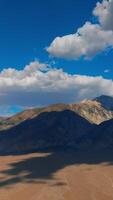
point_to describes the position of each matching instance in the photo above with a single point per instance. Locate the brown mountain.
(56, 129)
(61, 125)
(8, 122)
(91, 110)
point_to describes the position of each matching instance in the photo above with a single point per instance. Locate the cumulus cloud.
(39, 84)
(90, 39)
(104, 12)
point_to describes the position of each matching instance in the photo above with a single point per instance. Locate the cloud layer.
(90, 39)
(38, 84)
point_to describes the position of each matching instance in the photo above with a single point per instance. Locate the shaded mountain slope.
(101, 137)
(56, 129)
(12, 121)
(49, 129)
(106, 101)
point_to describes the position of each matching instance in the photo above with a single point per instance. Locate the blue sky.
(27, 27)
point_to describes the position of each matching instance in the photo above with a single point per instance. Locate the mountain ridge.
(92, 110)
(80, 126)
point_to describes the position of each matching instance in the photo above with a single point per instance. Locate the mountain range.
(88, 124)
(96, 111)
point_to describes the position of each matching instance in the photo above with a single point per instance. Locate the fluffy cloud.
(104, 12)
(39, 84)
(90, 39)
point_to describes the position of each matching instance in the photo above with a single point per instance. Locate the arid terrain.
(61, 152)
(57, 176)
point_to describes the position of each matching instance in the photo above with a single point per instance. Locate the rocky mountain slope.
(92, 110)
(8, 122)
(84, 125)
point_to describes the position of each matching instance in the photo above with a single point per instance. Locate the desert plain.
(65, 175)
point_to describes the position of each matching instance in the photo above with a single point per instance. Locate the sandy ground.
(56, 176)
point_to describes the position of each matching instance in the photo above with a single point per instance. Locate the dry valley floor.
(57, 176)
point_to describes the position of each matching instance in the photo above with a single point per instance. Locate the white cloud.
(104, 12)
(38, 84)
(90, 39)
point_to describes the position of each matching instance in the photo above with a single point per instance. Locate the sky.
(54, 52)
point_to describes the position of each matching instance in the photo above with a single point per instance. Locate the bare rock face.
(93, 111)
